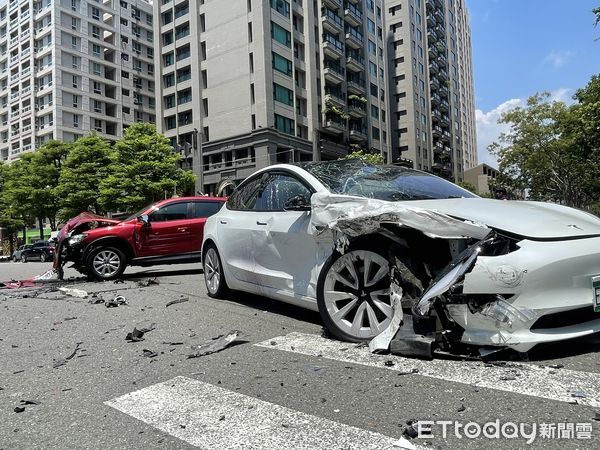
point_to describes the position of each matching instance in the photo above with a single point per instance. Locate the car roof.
(196, 198)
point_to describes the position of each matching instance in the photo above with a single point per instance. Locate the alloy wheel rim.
(106, 263)
(212, 271)
(357, 294)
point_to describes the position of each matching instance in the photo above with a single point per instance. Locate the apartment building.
(248, 83)
(431, 85)
(69, 67)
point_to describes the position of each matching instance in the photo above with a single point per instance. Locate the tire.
(355, 307)
(23, 258)
(214, 278)
(106, 263)
(15, 259)
(43, 257)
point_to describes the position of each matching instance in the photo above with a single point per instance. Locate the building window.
(170, 122)
(95, 32)
(95, 13)
(284, 124)
(282, 64)
(96, 68)
(170, 101)
(169, 58)
(169, 80)
(73, 42)
(97, 88)
(281, 6)
(97, 106)
(283, 95)
(281, 35)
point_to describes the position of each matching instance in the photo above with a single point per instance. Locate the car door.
(201, 210)
(285, 251)
(236, 223)
(168, 231)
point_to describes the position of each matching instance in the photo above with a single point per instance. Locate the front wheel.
(353, 295)
(216, 286)
(15, 259)
(23, 258)
(43, 257)
(106, 263)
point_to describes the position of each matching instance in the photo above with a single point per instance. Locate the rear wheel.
(43, 257)
(353, 295)
(216, 286)
(15, 259)
(106, 263)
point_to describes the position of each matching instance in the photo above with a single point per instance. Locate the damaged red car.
(167, 232)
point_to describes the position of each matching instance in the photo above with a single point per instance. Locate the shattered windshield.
(393, 183)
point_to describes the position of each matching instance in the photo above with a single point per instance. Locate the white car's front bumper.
(550, 282)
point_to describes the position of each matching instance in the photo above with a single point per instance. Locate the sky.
(521, 47)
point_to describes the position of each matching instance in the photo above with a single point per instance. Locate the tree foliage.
(143, 169)
(86, 167)
(468, 186)
(552, 150)
(372, 158)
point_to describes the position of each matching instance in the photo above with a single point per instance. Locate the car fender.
(121, 243)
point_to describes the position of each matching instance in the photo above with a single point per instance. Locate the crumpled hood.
(84, 217)
(537, 220)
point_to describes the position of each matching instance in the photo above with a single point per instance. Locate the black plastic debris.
(181, 299)
(461, 408)
(94, 300)
(217, 344)
(149, 353)
(119, 281)
(410, 431)
(148, 282)
(135, 336)
(30, 402)
(172, 343)
(145, 327)
(63, 361)
(115, 302)
(389, 363)
(596, 416)
(19, 409)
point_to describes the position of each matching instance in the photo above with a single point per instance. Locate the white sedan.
(385, 248)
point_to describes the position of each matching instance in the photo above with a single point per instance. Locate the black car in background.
(40, 251)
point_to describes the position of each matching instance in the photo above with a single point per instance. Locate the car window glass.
(205, 209)
(244, 197)
(278, 191)
(174, 211)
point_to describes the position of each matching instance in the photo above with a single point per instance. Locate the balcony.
(331, 21)
(334, 124)
(444, 105)
(434, 67)
(26, 91)
(15, 77)
(332, 47)
(25, 53)
(14, 41)
(26, 72)
(434, 83)
(25, 34)
(433, 4)
(27, 147)
(14, 59)
(432, 37)
(438, 147)
(358, 134)
(435, 99)
(26, 109)
(436, 131)
(354, 38)
(335, 98)
(443, 91)
(356, 86)
(355, 62)
(14, 96)
(26, 128)
(352, 15)
(333, 3)
(333, 73)
(15, 113)
(356, 109)
(24, 16)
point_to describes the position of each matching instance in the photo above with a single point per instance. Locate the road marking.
(520, 378)
(211, 417)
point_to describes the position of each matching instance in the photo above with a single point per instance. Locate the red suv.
(168, 232)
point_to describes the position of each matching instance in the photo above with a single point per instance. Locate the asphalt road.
(285, 387)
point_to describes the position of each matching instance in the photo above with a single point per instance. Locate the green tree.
(10, 218)
(468, 186)
(143, 168)
(372, 158)
(539, 155)
(85, 168)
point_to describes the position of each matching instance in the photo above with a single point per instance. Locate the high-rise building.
(431, 85)
(248, 83)
(68, 67)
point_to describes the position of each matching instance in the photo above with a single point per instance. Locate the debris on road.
(579, 394)
(410, 372)
(63, 361)
(137, 335)
(79, 293)
(96, 300)
(147, 282)
(19, 409)
(115, 302)
(410, 431)
(461, 408)
(149, 353)
(181, 299)
(217, 344)
(315, 370)
(30, 402)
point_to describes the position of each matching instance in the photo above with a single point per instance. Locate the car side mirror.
(297, 203)
(144, 219)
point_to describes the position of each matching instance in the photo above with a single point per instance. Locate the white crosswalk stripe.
(211, 417)
(519, 378)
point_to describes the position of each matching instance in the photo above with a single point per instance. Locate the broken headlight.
(78, 238)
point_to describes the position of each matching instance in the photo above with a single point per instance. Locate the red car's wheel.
(106, 263)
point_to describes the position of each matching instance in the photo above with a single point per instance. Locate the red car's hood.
(84, 217)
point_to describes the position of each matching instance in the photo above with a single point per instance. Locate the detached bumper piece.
(415, 338)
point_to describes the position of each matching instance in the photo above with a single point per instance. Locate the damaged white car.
(407, 260)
